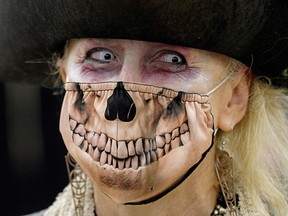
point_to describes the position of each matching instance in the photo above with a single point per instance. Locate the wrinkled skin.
(178, 68)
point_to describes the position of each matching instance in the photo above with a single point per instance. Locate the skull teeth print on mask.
(137, 142)
(104, 126)
(127, 154)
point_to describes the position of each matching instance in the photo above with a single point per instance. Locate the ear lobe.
(235, 107)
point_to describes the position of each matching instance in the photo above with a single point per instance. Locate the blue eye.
(101, 55)
(168, 61)
(172, 58)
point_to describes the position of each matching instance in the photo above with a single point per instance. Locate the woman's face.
(179, 68)
(176, 132)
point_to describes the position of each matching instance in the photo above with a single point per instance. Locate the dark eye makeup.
(168, 61)
(170, 57)
(104, 60)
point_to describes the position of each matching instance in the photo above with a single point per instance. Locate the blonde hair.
(259, 147)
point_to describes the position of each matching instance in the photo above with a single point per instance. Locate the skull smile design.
(129, 153)
(127, 127)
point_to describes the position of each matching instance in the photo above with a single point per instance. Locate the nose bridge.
(131, 68)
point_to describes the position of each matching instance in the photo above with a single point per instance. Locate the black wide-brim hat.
(252, 31)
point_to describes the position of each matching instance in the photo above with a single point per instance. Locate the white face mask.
(141, 140)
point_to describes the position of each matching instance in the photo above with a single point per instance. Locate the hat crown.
(245, 30)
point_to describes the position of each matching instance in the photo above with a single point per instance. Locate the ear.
(235, 105)
(61, 68)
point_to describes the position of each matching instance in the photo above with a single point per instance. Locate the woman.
(159, 118)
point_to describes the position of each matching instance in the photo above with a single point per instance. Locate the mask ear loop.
(236, 67)
(222, 81)
(219, 84)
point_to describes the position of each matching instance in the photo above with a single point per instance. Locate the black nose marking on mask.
(120, 105)
(176, 105)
